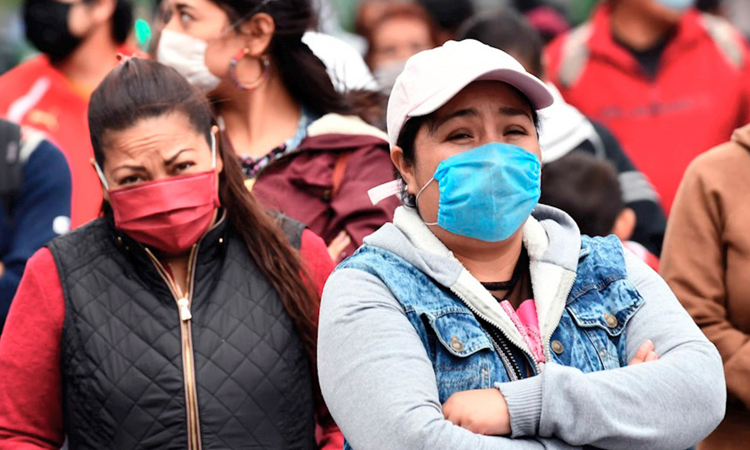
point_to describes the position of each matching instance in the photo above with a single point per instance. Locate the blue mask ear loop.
(100, 173)
(416, 199)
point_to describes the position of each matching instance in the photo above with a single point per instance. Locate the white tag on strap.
(382, 192)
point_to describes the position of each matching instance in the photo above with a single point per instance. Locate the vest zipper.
(188, 362)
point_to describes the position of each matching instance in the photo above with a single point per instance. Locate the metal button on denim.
(456, 344)
(611, 320)
(557, 347)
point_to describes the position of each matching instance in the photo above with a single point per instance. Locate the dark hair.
(302, 73)
(710, 6)
(449, 14)
(140, 89)
(408, 135)
(510, 32)
(395, 9)
(586, 188)
(122, 20)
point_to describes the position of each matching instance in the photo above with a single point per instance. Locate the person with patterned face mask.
(481, 320)
(186, 317)
(79, 41)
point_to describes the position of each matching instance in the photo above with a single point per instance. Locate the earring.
(265, 63)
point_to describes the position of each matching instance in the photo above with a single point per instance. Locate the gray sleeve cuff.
(524, 399)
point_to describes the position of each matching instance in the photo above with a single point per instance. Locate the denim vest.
(590, 335)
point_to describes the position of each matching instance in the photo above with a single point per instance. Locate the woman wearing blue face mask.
(481, 320)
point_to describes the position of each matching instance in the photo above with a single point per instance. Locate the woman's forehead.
(153, 133)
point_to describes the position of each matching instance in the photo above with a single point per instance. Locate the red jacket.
(37, 95)
(31, 415)
(301, 185)
(700, 95)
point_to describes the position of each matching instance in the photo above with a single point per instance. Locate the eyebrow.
(128, 166)
(171, 160)
(137, 168)
(469, 112)
(511, 111)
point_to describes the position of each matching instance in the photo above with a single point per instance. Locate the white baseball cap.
(433, 77)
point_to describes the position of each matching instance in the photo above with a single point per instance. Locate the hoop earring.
(265, 63)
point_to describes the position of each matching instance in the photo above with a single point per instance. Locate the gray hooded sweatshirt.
(380, 387)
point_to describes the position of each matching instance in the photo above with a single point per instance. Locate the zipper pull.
(184, 305)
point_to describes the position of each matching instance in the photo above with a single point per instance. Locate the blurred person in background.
(368, 11)
(399, 32)
(706, 261)
(303, 150)
(79, 42)
(587, 188)
(449, 15)
(669, 81)
(186, 317)
(550, 22)
(34, 202)
(564, 129)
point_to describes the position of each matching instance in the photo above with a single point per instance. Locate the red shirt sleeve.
(30, 380)
(320, 265)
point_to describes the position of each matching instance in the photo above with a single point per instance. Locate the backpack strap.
(726, 38)
(11, 163)
(339, 170)
(292, 229)
(575, 55)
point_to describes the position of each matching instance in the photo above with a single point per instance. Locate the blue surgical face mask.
(677, 5)
(488, 192)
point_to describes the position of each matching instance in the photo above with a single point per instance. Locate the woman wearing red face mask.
(186, 317)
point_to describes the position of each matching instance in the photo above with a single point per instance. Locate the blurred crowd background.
(340, 18)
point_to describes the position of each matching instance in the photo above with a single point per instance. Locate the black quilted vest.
(121, 349)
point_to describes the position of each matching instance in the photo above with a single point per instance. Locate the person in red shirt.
(667, 80)
(79, 42)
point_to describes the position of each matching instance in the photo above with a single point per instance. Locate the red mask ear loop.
(265, 63)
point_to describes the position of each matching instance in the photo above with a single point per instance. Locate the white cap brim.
(537, 93)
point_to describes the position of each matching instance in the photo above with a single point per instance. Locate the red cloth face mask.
(169, 214)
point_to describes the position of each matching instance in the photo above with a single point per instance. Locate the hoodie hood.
(742, 136)
(552, 241)
(563, 128)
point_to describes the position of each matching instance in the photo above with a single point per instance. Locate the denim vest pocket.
(462, 352)
(603, 315)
